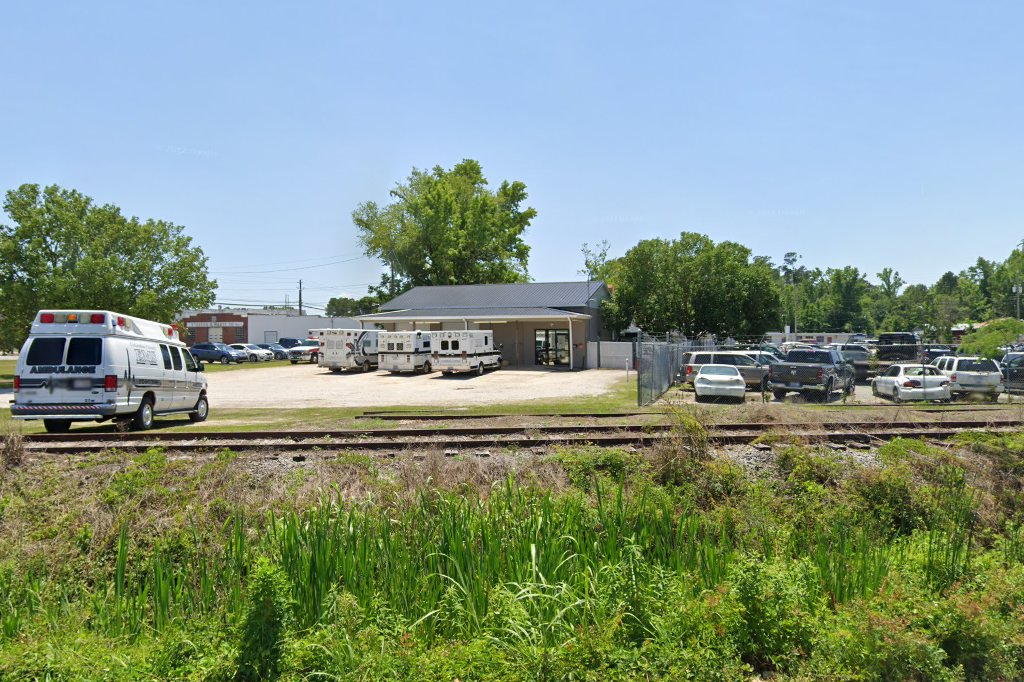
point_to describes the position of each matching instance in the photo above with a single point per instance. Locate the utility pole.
(300, 297)
(1017, 290)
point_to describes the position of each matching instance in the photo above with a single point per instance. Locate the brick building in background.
(241, 325)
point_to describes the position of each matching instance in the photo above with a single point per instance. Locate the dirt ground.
(311, 386)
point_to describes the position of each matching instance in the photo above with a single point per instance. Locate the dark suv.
(217, 352)
(898, 346)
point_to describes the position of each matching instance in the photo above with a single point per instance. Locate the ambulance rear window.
(85, 352)
(45, 352)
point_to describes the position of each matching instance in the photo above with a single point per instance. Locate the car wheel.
(896, 397)
(252, 358)
(57, 425)
(201, 412)
(143, 420)
(779, 395)
(225, 360)
(994, 398)
(427, 369)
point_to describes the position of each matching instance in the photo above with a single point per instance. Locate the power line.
(306, 267)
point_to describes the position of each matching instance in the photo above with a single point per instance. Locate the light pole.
(1017, 290)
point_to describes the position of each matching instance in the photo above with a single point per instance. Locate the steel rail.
(174, 435)
(522, 440)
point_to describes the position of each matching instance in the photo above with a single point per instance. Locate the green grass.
(587, 564)
(215, 367)
(7, 373)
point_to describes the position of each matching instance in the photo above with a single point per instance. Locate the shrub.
(265, 625)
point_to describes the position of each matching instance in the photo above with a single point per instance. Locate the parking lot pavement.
(306, 385)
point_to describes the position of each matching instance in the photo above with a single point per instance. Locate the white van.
(405, 352)
(464, 351)
(95, 365)
(347, 348)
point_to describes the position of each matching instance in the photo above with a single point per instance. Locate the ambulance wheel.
(225, 360)
(366, 366)
(201, 412)
(143, 419)
(480, 369)
(314, 357)
(57, 425)
(295, 362)
(427, 369)
(335, 370)
(447, 373)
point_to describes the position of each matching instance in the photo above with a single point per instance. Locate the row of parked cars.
(818, 372)
(293, 349)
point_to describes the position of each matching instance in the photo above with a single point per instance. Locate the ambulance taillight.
(46, 318)
(17, 383)
(97, 318)
(110, 382)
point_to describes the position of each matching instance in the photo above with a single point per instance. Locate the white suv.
(972, 375)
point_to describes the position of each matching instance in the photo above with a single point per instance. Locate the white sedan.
(254, 352)
(719, 381)
(906, 381)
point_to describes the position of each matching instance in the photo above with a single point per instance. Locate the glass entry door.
(552, 347)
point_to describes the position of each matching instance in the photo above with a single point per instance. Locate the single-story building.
(244, 325)
(544, 324)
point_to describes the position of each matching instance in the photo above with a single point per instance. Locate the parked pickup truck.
(813, 374)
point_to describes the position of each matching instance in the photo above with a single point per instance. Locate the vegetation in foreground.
(584, 563)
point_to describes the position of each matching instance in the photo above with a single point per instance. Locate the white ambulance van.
(96, 365)
(347, 348)
(464, 351)
(405, 352)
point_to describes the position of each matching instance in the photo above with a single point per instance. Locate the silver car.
(755, 374)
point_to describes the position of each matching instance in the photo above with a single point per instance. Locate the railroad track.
(463, 438)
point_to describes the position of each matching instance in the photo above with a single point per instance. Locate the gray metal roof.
(528, 295)
(481, 314)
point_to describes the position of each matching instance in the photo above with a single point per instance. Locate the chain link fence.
(657, 365)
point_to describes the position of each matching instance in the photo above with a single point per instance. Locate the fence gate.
(658, 363)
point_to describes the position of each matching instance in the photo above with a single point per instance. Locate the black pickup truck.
(813, 374)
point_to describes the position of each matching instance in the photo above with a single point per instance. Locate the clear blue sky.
(865, 133)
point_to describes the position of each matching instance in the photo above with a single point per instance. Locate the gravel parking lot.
(311, 386)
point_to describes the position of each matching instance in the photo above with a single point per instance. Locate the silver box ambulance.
(464, 351)
(404, 352)
(96, 365)
(347, 348)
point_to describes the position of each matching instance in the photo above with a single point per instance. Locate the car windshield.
(719, 370)
(807, 356)
(977, 366)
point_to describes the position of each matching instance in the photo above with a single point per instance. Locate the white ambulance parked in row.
(96, 365)
(347, 348)
(464, 351)
(405, 352)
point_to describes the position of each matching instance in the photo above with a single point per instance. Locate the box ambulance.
(404, 352)
(464, 351)
(342, 349)
(97, 365)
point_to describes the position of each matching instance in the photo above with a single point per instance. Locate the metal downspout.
(571, 349)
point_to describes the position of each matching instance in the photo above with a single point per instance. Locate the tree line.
(448, 226)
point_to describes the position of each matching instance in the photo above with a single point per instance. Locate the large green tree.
(61, 250)
(343, 306)
(695, 286)
(447, 227)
